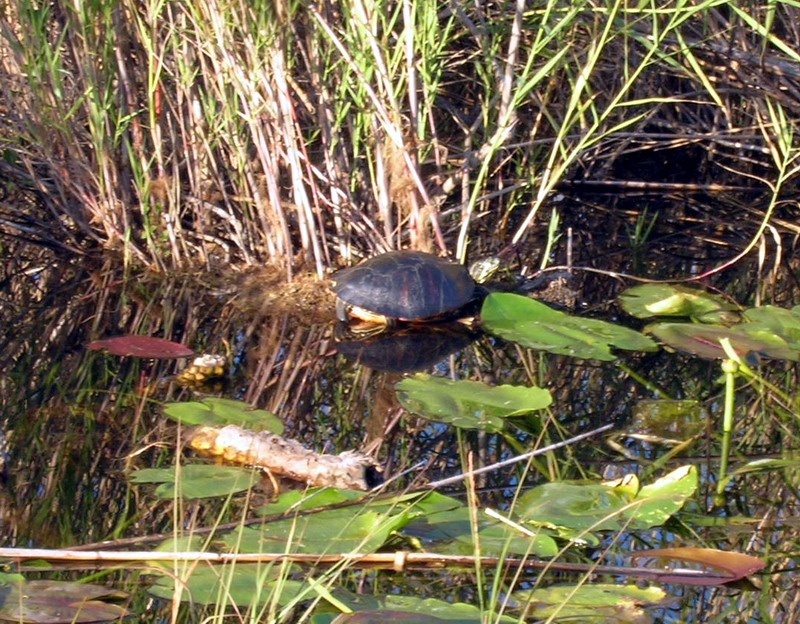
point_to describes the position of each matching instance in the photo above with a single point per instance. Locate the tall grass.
(213, 132)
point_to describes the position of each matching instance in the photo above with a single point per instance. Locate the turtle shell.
(405, 285)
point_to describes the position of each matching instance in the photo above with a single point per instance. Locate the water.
(79, 422)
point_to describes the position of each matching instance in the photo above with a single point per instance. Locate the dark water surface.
(78, 422)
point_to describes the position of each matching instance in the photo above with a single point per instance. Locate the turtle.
(406, 286)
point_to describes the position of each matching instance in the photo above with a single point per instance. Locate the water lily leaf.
(243, 584)
(655, 503)
(141, 347)
(778, 321)
(600, 602)
(468, 404)
(450, 532)
(331, 531)
(537, 326)
(197, 480)
(734, 566)
(577, 506)
(217, 412)
(383, 616)
(650, 300)
(450, 612)
(704, 340)
(607, 506)
(58, 602)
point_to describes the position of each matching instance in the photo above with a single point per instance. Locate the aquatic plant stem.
(729, 368)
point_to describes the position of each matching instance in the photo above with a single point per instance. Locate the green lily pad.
(243, 584)
(607, 506)
(598, 602)
(778, 321)
(468, 404)
(649, 300)
(450, 612)
(332, 531)
(197, 481)
(217, 412)
(704, 340)
(534, 325)
(450, 532)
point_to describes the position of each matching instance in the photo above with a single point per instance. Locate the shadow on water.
(79, 421)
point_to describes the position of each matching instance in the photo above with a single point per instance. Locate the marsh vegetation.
(195, 171)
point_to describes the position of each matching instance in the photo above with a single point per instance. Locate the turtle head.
(485, 269)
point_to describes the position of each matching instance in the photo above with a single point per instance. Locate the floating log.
(281, 456)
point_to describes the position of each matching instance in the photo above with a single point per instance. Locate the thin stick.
(518, 458)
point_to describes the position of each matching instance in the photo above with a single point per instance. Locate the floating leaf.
(704, 340)
(415, 606)
(655, 503)
(650, 300)
(58, 602)
(774, 320)
(734, 566)
(537, 326)
(450, 532)
(468, 404)
(389, 616)
(217, 412)
(331, 531)
(197, 481)
(243, 584)
(607, 506)
(606, 603)
(141, 347)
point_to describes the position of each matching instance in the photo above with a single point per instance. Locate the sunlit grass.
(186, 134)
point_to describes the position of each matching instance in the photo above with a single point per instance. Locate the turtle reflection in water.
(408, 286)
(405, 350)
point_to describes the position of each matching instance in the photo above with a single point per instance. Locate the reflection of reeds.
(186, 134)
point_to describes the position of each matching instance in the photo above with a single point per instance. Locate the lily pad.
(217, 412)
(607, 506)
(649, 300)
(243, 584)
(141, 347)
(197, 481)
(534, 325)
(746, 339)
(590, 602)
(332, 531)
(469, 404)
(779, 321)
(59, 602)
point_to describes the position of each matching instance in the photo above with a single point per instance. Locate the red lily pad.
(141, 347)
(59, 602)
(733, 565)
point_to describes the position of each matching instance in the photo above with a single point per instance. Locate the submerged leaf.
(469, 404)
